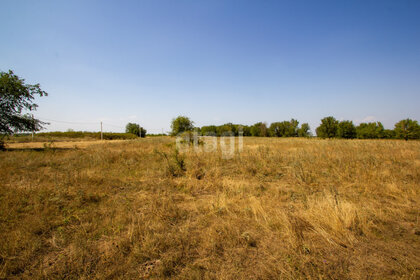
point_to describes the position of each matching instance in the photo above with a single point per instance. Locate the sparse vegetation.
(283, 208)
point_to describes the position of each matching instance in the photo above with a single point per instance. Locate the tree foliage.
(407, 129)
(328, 128)
(16, 101)
(284, 129)
(181, 124)
(373, 130)
(346, 130)
(210, 130)
(259, 129)
(135, 129)
(304, 130)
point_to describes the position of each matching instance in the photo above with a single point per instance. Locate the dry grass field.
(280, 209)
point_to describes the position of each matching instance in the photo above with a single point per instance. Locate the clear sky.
(215, 61)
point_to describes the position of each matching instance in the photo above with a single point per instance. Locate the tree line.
(332, 128)
(329, 128)
(280, 129)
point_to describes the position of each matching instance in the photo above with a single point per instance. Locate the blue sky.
(215, 61)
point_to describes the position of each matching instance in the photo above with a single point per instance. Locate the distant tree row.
(277, 129)
(329, 128)
(332, 128)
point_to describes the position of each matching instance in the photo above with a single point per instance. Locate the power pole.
(102, 135)
(33, 123)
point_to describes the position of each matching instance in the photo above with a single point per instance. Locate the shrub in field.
(190, 138)
(175, 163)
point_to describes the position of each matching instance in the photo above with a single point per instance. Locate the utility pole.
(33, 128)
(102, 135)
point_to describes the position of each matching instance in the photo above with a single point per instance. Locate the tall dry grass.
(281, 209)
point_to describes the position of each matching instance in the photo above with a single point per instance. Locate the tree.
(284, 129)
(181, 124)
(389, 134)
(407, 129)
(371, 130)
(246, 130)
(293, 127)
(276, 129)
(16, 101)
(135, 129)
(227, 129)
(304, 130)
(328, 128)
(259, 129)
(346, 129)
(210, 130)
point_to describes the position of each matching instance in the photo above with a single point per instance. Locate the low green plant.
(175, 163)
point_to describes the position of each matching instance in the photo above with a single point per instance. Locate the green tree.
(407, 129)
(389, 134)
(328, 128)
(346, 129)
(227, 129)
(246, 130)
(304, 130)
(259, 129)
(181, 124)
(371, 130)
(16, 101)
(276, 129)
(210, 130)
(284, 129)
(293, 128)
(135, 129)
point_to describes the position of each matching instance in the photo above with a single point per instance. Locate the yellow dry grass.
(58, 144)
(280, 209)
